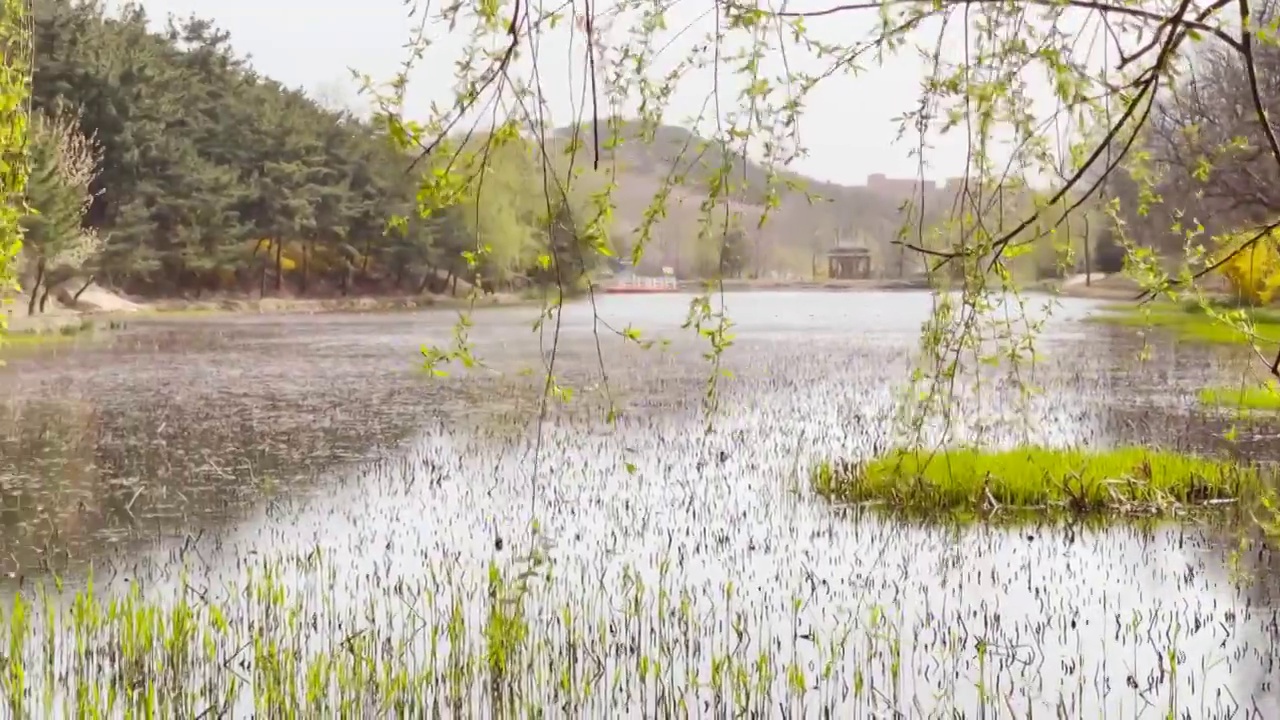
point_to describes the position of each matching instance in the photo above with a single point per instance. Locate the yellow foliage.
(267, 246)
(1253, 272)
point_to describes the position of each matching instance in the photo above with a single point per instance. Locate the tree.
(214, 178)
(15, 87)
(1108, 252)
(1254, 273)
(1038, 191)
(734, 253)
(563, 255)
(64, 163)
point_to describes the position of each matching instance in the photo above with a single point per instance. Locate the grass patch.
(1038, 480)
(32, 339)
(447, 643)
(1190, 322)
(1247, 397)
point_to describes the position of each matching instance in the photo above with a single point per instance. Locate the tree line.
(163, 164)
(1202, 180)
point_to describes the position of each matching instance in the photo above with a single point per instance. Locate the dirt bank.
(323, 305)
(1100, 286)
(98, 307)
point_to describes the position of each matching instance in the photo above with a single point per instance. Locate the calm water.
(211, 442)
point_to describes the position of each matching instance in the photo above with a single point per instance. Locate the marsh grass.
(1190, 322)
(291, 641)
(1264, 397)
(440, 647)
(1038, 480)
(17, 341)
(49, 327)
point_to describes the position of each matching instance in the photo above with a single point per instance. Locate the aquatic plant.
(298, 637)
(1050, 481)
(1244, 397)
(1198, 322)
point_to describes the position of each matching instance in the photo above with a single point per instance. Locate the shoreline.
(64, 321)
(869, 285)
(309, 306)
(68, 322)
(1102, 287)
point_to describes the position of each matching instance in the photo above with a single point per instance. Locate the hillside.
(797, 231)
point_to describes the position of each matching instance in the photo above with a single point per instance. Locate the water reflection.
(176, 426)
(180, 426)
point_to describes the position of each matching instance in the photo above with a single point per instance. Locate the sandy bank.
(99, 307)
(324, 305)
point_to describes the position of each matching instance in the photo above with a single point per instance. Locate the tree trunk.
(454, 278)
(306, 267)
(1088, 264)
(35, 287)
(44, 297)
(262, 279)
(279, 267)
(85, 286)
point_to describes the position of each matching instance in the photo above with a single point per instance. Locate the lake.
(676, 569)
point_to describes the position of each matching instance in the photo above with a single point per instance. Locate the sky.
(848, 127)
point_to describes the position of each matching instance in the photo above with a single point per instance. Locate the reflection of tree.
(1167, 425)
(1147, 413)
(51, 485)
(140, 447)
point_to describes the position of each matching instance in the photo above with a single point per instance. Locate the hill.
(808, 218)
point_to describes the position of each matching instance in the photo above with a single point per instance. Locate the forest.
(163, 164)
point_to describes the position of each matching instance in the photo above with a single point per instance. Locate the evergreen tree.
(214, 178)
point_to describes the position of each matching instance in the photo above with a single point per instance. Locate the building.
(848, 263)
(904, 187)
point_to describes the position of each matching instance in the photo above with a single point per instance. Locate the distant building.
(899, 187)
(904, 187)
(846, 262)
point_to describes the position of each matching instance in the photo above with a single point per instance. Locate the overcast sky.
(848, 127)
